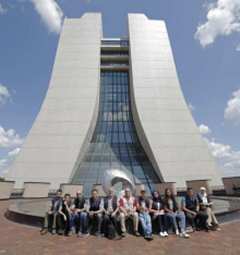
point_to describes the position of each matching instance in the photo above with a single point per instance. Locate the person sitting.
(206, 206)
(95, 211)
(174, 213)
(50, 218)
(80, 216)
(196, 218)
(158, 214)
(111, 211)
(144, 206)
(128, 209)
(64, 215)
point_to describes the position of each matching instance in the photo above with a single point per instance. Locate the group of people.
(108, 216)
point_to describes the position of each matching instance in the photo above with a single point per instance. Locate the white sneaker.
(165, 233)
(161, 234)
(184, 235)
(177, 232)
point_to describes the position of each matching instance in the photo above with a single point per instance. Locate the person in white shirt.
(128, 209)
(206, 205)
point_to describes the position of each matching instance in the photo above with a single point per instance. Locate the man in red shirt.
(128, 209)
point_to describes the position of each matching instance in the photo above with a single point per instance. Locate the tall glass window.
(115, 144)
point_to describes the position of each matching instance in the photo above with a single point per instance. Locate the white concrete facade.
(66, 120)
(64, 126)
(164, 123)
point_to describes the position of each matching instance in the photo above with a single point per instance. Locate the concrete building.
(114, 113)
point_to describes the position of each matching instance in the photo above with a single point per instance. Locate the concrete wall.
(71, 189)
(164, 123)
(6, 189)
(68, 114)
(197, 184)
(230, 183)
(160, 187)
(36, 189)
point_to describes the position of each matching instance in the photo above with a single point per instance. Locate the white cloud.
(4, 94)
(50, 13)
(8, 160)
(14, 152)
(227, 158)
(223, 18)
(204, 130)
(9, 138)
(2, 9)
(232, 110)
(191, 107)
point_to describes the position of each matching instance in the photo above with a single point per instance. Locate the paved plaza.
(17, 239)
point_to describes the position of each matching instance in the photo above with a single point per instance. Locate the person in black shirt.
(95, 211)
(64, 215)
(111, 212)
(196, 218)
(51, 216)
(80, 216)
(158, 214)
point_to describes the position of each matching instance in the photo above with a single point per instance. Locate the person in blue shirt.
(196, 218)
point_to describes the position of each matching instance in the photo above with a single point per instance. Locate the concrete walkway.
(17, 239)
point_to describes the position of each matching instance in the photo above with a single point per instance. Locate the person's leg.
(114, 221)
(135, 222)
(122, 222)
(214, 219)
(105, 223)
(47, 223)
(164, 222)
(182, 221)
(173, 221)
(99, 222)
(148, 224)
(190, 219)
(209, 219)
(67, 228)
(142, 220)
(60, 223)
(83, 222)
(201, 220)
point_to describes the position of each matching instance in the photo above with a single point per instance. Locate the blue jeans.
(146, 223)
(180, 216)
(80, 222)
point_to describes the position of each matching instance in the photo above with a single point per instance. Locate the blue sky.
(205, 37)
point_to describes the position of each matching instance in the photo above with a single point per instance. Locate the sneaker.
(98, 234)
(162, 234)
(79, 234)
(136, 233)
(165, 233)
(184, 235)
(177, 232)
(43, 231)
(149, 237)
(123, 234)
(85, 235)
(54, 232)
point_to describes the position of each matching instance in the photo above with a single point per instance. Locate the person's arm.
(115, 211)
(61, 212)
(166, 209)
(135, 205)
(101, 207)
(185, 209)
(121, 206)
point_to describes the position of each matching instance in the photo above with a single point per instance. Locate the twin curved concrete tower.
(114, 111)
